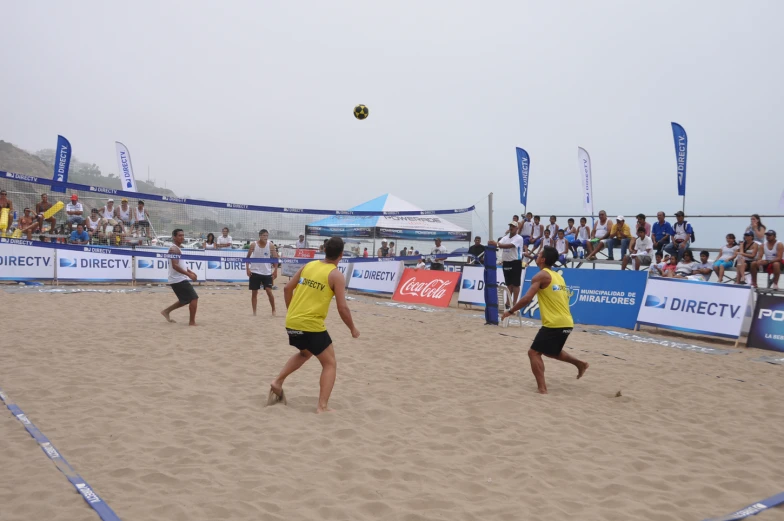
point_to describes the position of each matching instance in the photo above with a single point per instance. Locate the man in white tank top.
(123, 213)
(262, 274)
(179, 280)
(772, 259)
(601, 233)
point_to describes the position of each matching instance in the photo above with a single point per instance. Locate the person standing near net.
(307, 295)
(179, 280)
(553, 295)
(261, 274)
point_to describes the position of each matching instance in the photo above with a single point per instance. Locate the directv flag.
(126, 169)
(681, 144)
(586, 181)
(62, 160)
(523, 165)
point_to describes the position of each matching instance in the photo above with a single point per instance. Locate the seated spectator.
(392, 249)
(671, 265)
(747, 253)
(641, 249)
(726, 257)
(599, 235)
(141, 220)
(562, 245)
(683, 236)
(74, 211)
(621, 236)
(537, 232)
(403, 252)
(553, 226)
(570, 231)
(107, 216)
(79, 236)
(27, 224)
(757, 228)
(383, 251)
(526, 228)
(421, 265)
(122, 214)
(5, 202)
(657, 267)
(41, 208)
(44, 238)
(365, 253)
(661, 232)
(545, 241)
(642, 223)
(687, 266)
(581, 237)
(705, 267)
(477, 250)
(94, 224)
(209, 243)
(772, 259)
(225, 240)
(117, 236)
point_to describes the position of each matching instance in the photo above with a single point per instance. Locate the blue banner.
(62, 161)
(681, 151)
(491, 287)
(523, 166)
(767, 326)
(597, 297)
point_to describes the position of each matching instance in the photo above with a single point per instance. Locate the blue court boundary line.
(753, 509)
(82, 487)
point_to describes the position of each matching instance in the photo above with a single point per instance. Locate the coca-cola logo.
(435, 289)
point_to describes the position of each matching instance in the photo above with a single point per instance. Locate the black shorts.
(436, 266)
(184, 291)
(315, 342)
(550, 340)
(259, 281)
(513, 270)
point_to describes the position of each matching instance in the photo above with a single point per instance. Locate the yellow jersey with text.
(310, 303)
(554, 302)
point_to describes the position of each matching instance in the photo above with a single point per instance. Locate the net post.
(491, 286)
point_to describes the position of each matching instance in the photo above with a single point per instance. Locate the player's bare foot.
(581, 369)
(167, 317)
(190, 323)
(276, 388)
(542, 391)
(274, 314)
(320, 410)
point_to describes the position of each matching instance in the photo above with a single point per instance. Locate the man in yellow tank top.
(557, 323)
(308, 295)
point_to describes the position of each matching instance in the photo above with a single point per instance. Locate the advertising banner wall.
(93, 265)
(598, 297)
(227, 269)
(767, 326)
(696, 307)
(157, 270)
(18, 261)
(426, 287)
(375, 277)
(472, 286)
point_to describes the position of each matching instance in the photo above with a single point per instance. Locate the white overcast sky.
(251, 102)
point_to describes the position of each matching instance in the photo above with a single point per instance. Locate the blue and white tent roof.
(389, 203)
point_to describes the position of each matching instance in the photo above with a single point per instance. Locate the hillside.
(41, 164)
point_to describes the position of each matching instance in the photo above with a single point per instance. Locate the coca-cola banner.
(426, 287)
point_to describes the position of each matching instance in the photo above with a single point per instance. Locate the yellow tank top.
(554, 302)
(310, 303)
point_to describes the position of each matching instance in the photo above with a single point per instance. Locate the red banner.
(304, 254)
(426, 287)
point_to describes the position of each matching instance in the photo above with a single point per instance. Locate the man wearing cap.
(74, 211)
(681, 238)
(107, 215)
(512, 246)
(123, 213)
(621, 236)
(771, 261)
(301, 243)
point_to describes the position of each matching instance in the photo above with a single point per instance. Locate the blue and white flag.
(62, 161)
(586, 180)
(681, 146)
(523, 166)
(127, 180)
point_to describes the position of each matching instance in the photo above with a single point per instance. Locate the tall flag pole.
(523, 167)
(681, 152)
(127, 179)
(62, 161)
(586, 180)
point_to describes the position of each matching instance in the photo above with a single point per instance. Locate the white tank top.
(261, 253)
(601, 229)
(106, 213)
(527, 228)
(174, 275)
(140, 214)
(547, 241)
(727, 252)
(208, 246)
(770, 254)
(537, 231)
(560, 245)
(583, 234)
(553, 229)
(124, 215)
(93, 225)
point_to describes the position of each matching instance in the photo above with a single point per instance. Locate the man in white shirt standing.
(261, 275)
(512, 246)
(301, 243)
(641, 250)
(224, 241)
(438, 264)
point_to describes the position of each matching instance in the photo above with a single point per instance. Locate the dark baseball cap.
(770, 232)
(749, 233)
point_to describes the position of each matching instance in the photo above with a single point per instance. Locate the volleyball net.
(385, 218)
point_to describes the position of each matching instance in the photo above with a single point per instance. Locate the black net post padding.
(491, 287)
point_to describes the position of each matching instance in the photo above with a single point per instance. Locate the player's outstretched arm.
(338, 284)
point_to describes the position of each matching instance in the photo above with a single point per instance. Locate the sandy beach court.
(436, 417)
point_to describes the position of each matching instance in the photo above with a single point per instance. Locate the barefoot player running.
(557, 321)
(307, 297)
(179, 280)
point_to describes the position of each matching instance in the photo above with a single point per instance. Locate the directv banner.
(19, 262)
(472, 286)
(157, 270)
(378, 277)
(398, 233)
(696, 307)
(93, 266)
(767, 327)
(597, 297)
(226, 269)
